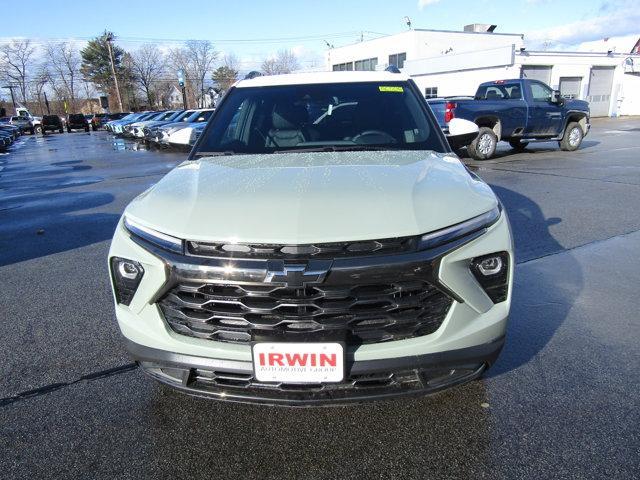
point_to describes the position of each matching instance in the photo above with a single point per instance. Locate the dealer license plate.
(298, 362)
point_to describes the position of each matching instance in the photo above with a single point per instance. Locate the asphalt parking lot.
(562, 401)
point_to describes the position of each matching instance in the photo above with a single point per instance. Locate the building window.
(368, 64)
(341, 67)
(397, 59)
(431, 92)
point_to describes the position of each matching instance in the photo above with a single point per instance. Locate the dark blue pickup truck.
(516, 111)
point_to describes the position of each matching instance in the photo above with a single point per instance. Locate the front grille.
(368, 313)
(318, 250)
(204, 379)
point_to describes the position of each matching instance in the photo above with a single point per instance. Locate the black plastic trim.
(479, 358)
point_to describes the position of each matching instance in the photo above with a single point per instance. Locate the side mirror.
(556, 97)
(461, 133)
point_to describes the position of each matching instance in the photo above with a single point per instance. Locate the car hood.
(155, 123)
(580, 105)
(167, 126)
(297, 198)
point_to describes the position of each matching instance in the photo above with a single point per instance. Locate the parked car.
(6, 140)
(115, 126)
(127, 127)
(24, 123)
(294, 262)
(163, 117)
(77, 121)
(197, 130)
(152, 133)
(168, 117)
(52, 123)
(35, 122)
(517, 111)
(12, 130)
(97, 120)
(178, 134)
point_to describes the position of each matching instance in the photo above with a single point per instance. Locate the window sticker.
(384, 88)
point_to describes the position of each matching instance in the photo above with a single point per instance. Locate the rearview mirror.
(461, 133)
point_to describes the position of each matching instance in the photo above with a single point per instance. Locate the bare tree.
(38, 84)
(284, 62)
(15, 62)
(200, 56)
(64, 61)
(148, 68)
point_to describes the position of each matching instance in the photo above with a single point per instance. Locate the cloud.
(424, 3)
(613, 22)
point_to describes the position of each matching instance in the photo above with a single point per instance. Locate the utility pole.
(13, 98)
(113, 69)
(46, 102)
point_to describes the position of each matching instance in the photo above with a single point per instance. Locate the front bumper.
(468, 340)
(367, 380)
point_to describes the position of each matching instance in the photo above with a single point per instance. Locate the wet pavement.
(561, 402)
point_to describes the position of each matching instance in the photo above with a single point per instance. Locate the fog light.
(127, 275)
(128, 270)
(490, 266)
(492, 273)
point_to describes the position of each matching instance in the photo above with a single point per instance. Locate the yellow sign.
(391, 89)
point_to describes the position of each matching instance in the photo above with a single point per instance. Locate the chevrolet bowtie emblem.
(296, 275)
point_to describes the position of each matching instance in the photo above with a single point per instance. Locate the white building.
(449, 63)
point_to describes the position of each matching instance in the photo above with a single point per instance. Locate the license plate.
(298, 362)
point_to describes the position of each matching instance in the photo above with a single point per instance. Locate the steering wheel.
(368, 134)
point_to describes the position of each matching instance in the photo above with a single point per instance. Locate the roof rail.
(392, 69)
(252, 74)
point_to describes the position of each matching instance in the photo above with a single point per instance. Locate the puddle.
(120, 144)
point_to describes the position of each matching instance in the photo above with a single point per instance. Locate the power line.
(318, 37)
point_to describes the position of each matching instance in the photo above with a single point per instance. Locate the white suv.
(321, 244)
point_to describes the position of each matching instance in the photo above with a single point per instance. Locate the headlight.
(127, 275)
(160, 239)
(445, 235)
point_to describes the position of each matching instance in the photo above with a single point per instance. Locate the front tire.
(572, 138)
(484, 146)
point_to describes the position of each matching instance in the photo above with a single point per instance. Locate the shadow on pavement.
(541, 298)
(36, 225)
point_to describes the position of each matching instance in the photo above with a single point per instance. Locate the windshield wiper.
(214, 154)
(338, 148)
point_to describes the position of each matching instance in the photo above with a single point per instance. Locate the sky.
(254, 30)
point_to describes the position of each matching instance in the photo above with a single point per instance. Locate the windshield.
(133, 116)
(155, 116)
(349, 116)
(172, 116)
(199, 116)
(184, 116)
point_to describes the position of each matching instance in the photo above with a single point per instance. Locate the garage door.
(570, 87)
(537, 72)
(600, 85)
